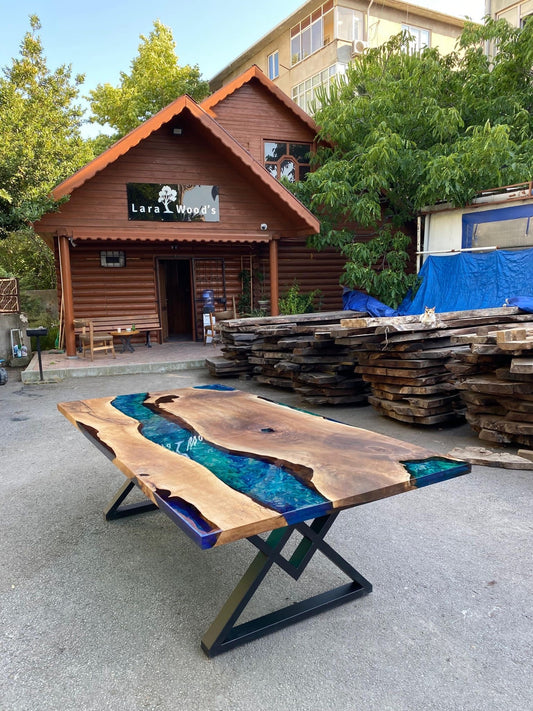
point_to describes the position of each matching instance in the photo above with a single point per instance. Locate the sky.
(99, 38)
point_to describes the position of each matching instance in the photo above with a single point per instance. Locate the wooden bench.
(147, 323)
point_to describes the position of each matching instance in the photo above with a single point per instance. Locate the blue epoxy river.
(266, 483)
(428, 471)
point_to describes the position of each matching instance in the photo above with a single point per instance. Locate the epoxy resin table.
(225, 465)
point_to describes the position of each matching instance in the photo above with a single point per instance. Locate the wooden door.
(176, 298)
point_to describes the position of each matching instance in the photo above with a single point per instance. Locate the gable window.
(287, 160)
(273, 65)
(418, 38)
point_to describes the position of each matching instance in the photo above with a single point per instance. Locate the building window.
(287, 160)
(113, 259)
(273, 65)
(418, 38)
(349, 24)
(312, 33)
(304, 94)
(324, 25)
(525, 19)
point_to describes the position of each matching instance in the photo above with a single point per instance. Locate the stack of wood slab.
(293, 352)
(404, 363)
(237, 349)
(465, 363)
(311, 364)
(498, 389)
(415, 368)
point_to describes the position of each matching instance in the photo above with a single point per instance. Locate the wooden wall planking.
(133, 289)
(312, 270)
(165, 158)
(251, 114)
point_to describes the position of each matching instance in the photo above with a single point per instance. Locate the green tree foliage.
(23, 254)
(380, 266)
(403, 131)
(155, 80)
(40, 143)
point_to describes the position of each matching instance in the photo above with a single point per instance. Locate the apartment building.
(315, 44)
(514, 12)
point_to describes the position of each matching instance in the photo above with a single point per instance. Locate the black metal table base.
(126, 343)
(224, 633)
(125, 339)
(115, 508)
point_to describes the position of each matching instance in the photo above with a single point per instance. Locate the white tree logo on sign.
(166, 195)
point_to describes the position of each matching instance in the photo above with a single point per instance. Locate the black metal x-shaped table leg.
(116, 509)
(224, 634)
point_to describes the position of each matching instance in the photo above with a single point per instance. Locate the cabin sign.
(155, 202)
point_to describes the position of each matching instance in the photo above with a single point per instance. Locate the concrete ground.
(98, 615)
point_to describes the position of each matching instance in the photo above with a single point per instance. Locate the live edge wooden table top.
(224, 465)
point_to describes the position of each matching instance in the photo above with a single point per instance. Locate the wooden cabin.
(186, 203)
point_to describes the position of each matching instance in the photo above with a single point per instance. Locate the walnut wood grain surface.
(345, 465)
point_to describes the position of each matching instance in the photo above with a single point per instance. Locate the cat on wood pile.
(429, 317)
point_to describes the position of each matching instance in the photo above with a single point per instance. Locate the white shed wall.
(443, 230)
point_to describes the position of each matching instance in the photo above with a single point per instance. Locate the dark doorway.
(176, 295)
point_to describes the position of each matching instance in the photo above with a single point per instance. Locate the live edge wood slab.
(226, 464)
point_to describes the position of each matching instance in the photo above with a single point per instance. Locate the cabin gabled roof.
(185, 104)
(255, 74)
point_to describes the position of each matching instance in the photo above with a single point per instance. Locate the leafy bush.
(379, 267)
(294, 302)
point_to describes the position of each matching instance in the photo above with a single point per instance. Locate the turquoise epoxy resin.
(428, 471)
(268, 484)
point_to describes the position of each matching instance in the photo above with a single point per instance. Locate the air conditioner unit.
(359, 46)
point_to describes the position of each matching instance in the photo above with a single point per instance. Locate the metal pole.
(39, 358)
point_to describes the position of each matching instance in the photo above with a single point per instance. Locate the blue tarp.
(462, 282)
(359, 301)
(467, 281)
(525, 303)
